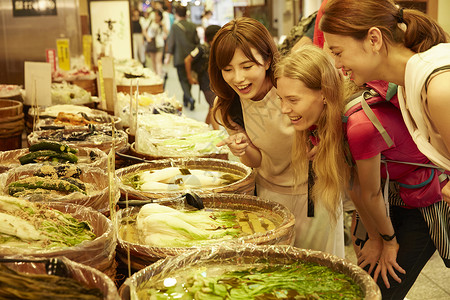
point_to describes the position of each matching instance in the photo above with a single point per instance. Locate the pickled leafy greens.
(34, 225)
(174, 178)
(299, 280)
(164, 226)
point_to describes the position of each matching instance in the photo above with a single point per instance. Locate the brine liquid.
(248, 222)
(228, 280)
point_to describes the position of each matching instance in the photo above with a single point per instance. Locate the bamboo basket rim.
(78, 212)
(250, 253)
(82, 273)
(248, 174)
(284, 230)
(148, 156)
(17, 104)
(121, 143)
(13, 155)
(95, 199)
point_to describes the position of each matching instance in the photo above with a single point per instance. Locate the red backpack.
(377, 91)
(382, 91)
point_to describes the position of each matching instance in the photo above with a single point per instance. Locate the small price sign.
(87, 50)
(62, 46)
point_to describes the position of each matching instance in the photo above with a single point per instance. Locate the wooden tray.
(151, 89)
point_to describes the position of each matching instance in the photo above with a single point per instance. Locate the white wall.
(310, 6)
(444, 14)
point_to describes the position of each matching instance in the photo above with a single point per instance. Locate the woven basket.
(98, 253)
(233, 255)
(143, 255)
(146, 156)
(85, 275)
(97, 178)
(121, 140)
(46, 117)
(10, 159)
(151, 89)
(90, 85)
(244, 186)
(11, 124)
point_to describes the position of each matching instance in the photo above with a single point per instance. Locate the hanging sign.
(51, 58)
(63, 54)
(87, 50)
(38, 81)
(28, 8)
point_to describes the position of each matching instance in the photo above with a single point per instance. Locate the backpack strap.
(373, 118)
(442, 177)
(369, 113)
(391, 91)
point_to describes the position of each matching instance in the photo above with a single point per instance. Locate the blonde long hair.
(316, 70)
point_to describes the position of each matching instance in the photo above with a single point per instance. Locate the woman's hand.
(192, 80)
(370, 254)
(237, 143)
(388, 263)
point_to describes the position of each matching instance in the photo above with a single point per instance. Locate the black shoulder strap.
(443, 68)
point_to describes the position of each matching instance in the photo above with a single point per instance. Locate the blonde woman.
(241, 66)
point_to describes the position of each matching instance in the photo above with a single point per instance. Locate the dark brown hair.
(243, 33)
(354, 18)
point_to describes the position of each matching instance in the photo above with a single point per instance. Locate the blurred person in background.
(155, 36)
(197, 61)
(138, 36)
(182, 40)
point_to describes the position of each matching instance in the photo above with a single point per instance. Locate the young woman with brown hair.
(241, 66)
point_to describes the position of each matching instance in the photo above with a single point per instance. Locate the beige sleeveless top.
(272, 132)
(414, 106)
(435, 137)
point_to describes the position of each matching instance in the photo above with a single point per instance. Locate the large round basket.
(246, 185)
(96, 179)
(147, 156)
(92, 157)
(143, 255)
(248, 254)
(85, 275)
(45, 117)
(90, 85)
(11, 124)
(102, 140)
(151, 89)
(98, 253)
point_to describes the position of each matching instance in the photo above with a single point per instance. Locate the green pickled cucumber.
(35, 182)
(58, 147)
(50, 154)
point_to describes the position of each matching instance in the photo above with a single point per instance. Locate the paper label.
(51, 58)
(87, 50)
(63, 54)
(38, 79)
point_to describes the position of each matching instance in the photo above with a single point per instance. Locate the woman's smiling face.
(246, 77)
(355, 58)
(301, 104)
